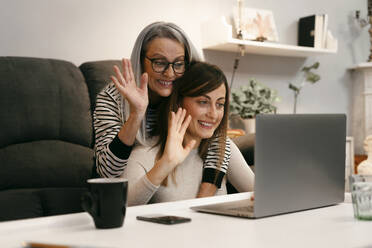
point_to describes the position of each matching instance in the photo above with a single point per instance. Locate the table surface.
(332, 226)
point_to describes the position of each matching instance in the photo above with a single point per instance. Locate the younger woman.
(172, 169)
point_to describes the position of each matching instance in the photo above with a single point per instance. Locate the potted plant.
(248, 101)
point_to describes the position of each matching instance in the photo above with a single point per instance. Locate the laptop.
(299, 165)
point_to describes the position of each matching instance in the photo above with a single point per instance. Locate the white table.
(324, 227)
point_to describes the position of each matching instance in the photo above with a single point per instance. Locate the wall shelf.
(218, 35)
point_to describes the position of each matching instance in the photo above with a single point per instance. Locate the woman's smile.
(206, 124)
(166, 84)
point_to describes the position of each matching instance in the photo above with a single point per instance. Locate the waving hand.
(126, 85)
(175, 150)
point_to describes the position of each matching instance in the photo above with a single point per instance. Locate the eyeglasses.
(161, 65)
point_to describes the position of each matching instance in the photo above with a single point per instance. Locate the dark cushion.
(48, 163)
(19, 204)
(61, 200)
(31, 203)
(43, 99)
(97, 75)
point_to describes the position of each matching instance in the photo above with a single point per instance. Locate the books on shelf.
(313, 32)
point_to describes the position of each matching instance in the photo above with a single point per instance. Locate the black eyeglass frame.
(167, 66)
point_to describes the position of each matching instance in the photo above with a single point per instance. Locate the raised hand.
(126, 85)
(175, 150)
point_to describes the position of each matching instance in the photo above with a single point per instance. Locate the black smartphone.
(164, 219)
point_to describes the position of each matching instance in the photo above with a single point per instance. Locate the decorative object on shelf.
(307, 75)
(313, 32)
(364, 22)
(248, 101)
(254, 24)
(365, 167)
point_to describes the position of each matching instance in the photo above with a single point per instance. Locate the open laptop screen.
(299, 162)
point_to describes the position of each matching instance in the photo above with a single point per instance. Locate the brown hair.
(199, 79)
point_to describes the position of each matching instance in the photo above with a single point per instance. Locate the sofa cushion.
(39, 202)
(47, 163)
(19, 204)
(43, 99)
(97, 75)
(61, 200)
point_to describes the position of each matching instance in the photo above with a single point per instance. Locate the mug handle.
(89, 203)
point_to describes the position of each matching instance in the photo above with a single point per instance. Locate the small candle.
(240, 12)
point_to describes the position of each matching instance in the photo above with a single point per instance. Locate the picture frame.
(255, 24)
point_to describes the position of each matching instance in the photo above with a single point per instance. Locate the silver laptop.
(299, 165)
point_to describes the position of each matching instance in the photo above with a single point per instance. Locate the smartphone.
(164, 219)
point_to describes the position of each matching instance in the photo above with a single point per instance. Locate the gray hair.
(159, 30)
(149, 33)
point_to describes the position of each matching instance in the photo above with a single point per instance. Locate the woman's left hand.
(175, 151)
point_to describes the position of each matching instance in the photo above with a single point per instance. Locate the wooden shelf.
(217, 35)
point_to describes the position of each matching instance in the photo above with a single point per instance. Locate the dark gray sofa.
(46, 134)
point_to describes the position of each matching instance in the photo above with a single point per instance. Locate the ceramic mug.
(106, 201)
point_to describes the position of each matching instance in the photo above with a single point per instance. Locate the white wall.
(86, 30)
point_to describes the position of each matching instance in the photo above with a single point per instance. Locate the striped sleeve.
(111, 154)
(212, 173)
